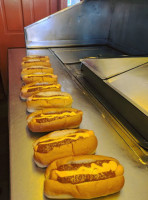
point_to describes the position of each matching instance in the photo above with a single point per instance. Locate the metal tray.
(106, 68)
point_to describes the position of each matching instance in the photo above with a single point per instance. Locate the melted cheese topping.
(49, 97)
(36, 66)
(94, 169)
(33, 56)
(40, 69)
(50, 115)
(43, 86)
(32, 60)
(41, 74)
(58, 139)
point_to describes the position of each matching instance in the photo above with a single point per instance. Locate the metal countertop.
(26, 180)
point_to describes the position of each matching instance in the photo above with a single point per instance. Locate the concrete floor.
(4, 147)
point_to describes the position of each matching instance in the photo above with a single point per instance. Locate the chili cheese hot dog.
(63, 143)
(83, 177)
(35, 57)
(33, 88)
(36, 69)
(49, 99)
(35, 62)
(52, 119)
(39, 77)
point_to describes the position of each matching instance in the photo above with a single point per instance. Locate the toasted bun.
(35, 62)
(35, 57)
(49, 99)
(59, 144)
(52, 119)
(83, 177)
(40, 77)
(36, 69)
(33, 88)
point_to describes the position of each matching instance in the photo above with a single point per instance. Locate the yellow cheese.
(35, 67)
(41, 74)
(58, 139)
(94, 170)
(43, 87)
(49, 97)
(33, 56)
(50, 115)
(32, 60)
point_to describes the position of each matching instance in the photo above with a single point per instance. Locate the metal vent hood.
(121, 24)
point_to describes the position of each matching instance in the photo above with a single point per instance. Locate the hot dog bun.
(39, 77)
(35, 57)
(48, 99)
(52, 119)
(35, 62)
(83, 177)
(35, 69)
(33, 88)
(59, 144)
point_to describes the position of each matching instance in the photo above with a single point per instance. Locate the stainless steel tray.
(133, 86)
(109, 67)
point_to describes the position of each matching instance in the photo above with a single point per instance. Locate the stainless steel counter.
(26, 180)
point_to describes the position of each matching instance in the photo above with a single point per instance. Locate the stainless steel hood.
(122, 24)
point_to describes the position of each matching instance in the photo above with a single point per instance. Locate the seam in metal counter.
(26, 180)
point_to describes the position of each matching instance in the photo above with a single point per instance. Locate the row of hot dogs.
(72, 171)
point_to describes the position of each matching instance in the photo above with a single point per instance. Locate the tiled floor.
(4, 148)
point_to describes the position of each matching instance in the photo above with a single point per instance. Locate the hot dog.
(35, 57)
(49, 99)
(33, 88)
(35, 69)
(83, 177)
(59, 144)
(39, 77)
(52, 119)
(35, 62)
